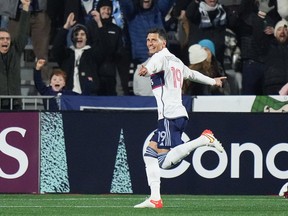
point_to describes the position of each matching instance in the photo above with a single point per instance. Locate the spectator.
(82, 10)
(123, 66)
(255, 17)
(276, 55)
(232, 62)
(40, 26)
(179, 12)
(102, 21)
(208, 66)
(10, 50)
(56, 86)
(208, 20)
(142, 16)
(80, 61)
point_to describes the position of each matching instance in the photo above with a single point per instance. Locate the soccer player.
(166, 147)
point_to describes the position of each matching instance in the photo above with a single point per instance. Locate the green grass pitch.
(174, 205)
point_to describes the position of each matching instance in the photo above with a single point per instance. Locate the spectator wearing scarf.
(208, 20)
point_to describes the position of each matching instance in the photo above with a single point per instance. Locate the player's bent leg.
(178, 153)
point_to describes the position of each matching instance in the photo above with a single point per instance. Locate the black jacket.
(10, 80)
(114, 47)
(88, 63)
(276, 67)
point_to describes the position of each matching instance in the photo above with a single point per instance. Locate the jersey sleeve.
(198, 77)
(155, 64)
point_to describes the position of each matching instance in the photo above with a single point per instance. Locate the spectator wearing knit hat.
(256, 19)
(276, 55)
(102, 22)
(202, 58)
(208, 20)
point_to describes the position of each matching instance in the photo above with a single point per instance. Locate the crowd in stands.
(97, 42)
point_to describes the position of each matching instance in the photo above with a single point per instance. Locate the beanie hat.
(103, 3)
(279, 24)
(76, 29)
(208, 44)
(196, 54)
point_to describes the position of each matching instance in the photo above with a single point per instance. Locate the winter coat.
(114, 46)
(276, 68)
(140, 21)
(10, 80)
(88, 63)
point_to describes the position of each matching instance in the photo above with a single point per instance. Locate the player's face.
(5, 42)
(155, 43)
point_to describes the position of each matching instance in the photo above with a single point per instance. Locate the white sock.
(153, 176)
(177, 154)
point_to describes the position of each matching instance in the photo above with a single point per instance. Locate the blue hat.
(208, 44)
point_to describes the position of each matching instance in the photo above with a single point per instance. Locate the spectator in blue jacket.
(142, 16)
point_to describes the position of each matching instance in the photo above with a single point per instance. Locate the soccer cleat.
(148, 203)
(213, 142)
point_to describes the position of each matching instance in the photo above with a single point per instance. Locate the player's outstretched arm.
(219, 80)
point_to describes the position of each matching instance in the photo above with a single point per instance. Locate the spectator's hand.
(269, 30)
(40, 63)
(264, 6)
(96, 16)
(70, 21)
(26, 4)
(219, 81)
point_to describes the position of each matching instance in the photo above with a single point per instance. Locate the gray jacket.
(9, 7)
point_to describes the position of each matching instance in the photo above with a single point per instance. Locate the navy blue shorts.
(169, 132)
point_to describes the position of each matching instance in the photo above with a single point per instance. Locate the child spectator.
(55, 88)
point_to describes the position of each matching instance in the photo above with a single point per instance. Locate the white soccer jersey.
(167, 73)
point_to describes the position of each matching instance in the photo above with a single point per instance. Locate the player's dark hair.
(4, 30)
(162, 33)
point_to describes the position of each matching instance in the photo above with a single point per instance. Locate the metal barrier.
(27, 102)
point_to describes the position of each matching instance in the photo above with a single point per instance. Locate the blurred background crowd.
(99, 44)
